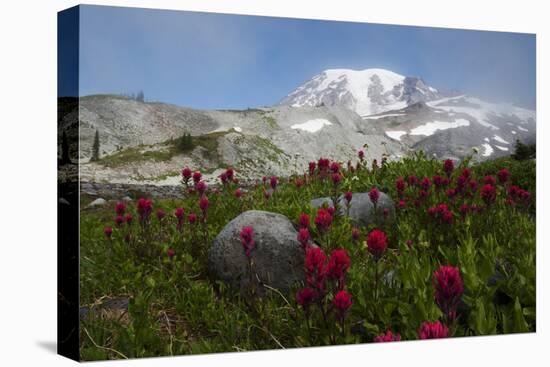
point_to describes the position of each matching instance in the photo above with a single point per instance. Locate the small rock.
(320, 202)
(127, 199)
(361, 210)
(278, 259)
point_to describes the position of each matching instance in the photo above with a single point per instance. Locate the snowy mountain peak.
(367, 92)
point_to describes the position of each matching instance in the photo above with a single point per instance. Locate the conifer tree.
(95, 147)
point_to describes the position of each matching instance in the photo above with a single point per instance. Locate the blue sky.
(206, 60)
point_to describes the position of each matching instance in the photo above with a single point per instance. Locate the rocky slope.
(136, 147)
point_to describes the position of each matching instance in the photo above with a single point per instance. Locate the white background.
(28, 181)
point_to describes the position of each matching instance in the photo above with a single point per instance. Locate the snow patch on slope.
(500, 140)
(312, 126)
(383, 116)
(396, 135)
(431, 127)
(488, 150)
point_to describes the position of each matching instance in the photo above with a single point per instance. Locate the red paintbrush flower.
(503, 175)
(388, 336)
(203, 204)
(438, 181)
(230, 173)
(311, 167)
(108, 231)
(197, 176)
(179, 213)
(304, 220)
(160, 214)
(144, 208)
(119, 220)
(489, 180)
(425, 183)
(186, 174)
(402, 204)
(201, 187)
(336, 178)
(238, 193)
(315, 266)
(449, 287)
(342, 303)
(323, 164)
(323, 220)
(473, 185)
(355, 234)
(247, 240)
(120, 208)
(223, 178)
(348, 196)
(305, 297)
(433, 330)
(374, 195)
(273, 182)
(128, 219)
(448, 166)
(338, 266)
(400, 185)
(335, 167)
(451, 193)
(488, 194)
(377, 242)
(303, 237)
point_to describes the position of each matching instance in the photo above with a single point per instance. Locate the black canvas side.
(67, 184)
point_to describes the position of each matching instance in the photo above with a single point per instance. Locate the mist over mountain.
(333, 114)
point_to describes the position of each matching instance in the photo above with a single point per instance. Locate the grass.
(270, 121)
(167, 151)
(177, 308)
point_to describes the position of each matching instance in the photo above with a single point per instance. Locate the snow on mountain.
(367, 92)
(487, 114)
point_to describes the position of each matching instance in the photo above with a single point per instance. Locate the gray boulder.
(64, 201)
(278, 259)
(98, 202)
(361, 210)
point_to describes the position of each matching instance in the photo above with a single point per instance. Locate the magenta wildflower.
(247, 240)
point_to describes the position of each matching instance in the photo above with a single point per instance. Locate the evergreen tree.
(524, 151)
(185, 142)
(140, 96)
(65, 159)
(95, 147)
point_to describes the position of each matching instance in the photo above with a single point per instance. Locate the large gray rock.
(361, 210)
(278, 259)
